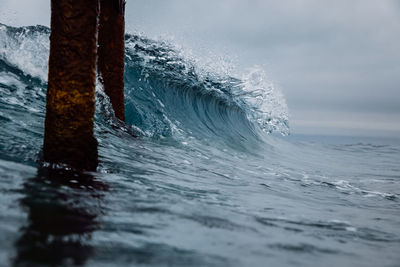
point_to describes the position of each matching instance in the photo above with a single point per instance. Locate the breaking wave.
(167, 95)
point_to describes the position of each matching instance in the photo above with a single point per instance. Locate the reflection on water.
(63, 209)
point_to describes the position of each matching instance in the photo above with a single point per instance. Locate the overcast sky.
(336, 62)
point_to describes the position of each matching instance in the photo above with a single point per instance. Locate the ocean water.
(213, 178)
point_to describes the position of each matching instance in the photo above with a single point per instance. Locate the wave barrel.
(71, 84)
(111, 52)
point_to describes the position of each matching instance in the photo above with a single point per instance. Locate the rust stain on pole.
(111, 52)
(71, 84)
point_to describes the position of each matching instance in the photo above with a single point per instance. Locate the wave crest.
(168, 94)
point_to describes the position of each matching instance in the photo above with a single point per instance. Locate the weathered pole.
(71, 84)
(111, 52)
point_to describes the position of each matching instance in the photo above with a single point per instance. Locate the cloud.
(25, 12)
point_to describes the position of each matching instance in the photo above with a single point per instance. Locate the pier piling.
(71, 84)
(111, 52)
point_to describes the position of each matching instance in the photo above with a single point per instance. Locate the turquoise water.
(204, 184)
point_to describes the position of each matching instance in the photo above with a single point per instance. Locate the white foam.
(25, 49)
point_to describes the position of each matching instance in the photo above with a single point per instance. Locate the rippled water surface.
(204, 184)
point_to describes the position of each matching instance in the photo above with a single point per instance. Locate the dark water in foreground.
(203, 185)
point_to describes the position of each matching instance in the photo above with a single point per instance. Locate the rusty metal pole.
(111, 52)
(71, 84)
